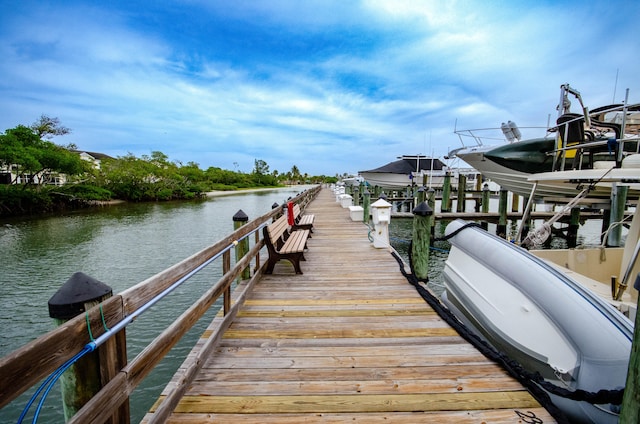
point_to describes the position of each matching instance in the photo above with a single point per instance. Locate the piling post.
(478, 188)
(356, 196)
(431, 201)
(515, 202)
(83, 379)
(446, 193)
(462, 193)
(501, 231)
(421, 195)
(630, 412)
(574, 224)
(366, 203)
(618, 201)
(421, 240)
(275, 205)
(485, 204)
(242, 248)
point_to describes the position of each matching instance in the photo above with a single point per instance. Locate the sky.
(328, 86)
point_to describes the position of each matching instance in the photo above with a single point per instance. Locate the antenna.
(615, 87)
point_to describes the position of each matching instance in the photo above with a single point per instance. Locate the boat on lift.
(590, 139)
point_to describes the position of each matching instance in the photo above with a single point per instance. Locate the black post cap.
(240, 216)
(69, 300)
(423, 209)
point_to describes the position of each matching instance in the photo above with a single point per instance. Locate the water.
(120, 246)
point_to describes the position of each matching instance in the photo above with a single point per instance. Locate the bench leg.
(271, 262)
(293, 258)
(295, 261)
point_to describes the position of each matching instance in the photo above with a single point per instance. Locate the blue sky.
(330, 86)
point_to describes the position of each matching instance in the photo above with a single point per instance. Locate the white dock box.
(356, 213)
(346, 200)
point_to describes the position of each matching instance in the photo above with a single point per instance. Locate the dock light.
(423, 209)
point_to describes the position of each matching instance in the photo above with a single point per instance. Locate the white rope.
(541, 234)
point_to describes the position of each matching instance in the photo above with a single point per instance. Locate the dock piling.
(84, 378)
(618, 201)
(572, 231)
(462, 193)
(485, 204)
(366, 204)
(502, 211)
(422, 215)
(446, 193)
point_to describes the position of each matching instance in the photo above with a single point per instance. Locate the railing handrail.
(29, 364)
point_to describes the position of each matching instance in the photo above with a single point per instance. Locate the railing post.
(85, 378)
(421, 240)
(226, 267)
(239, 219)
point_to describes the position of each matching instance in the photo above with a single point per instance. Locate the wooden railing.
(26, 366)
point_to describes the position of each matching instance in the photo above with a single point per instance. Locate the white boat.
(541, 308)
(539, 317)
(411, 170)
(593, 139)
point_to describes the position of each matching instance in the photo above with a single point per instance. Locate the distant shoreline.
(217, 193)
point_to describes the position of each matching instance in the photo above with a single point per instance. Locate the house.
(9, 173)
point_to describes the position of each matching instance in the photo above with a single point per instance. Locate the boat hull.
(518, 181)
(539, 317)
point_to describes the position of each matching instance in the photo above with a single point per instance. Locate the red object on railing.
(290, 213)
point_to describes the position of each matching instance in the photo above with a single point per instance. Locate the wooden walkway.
(349, 341)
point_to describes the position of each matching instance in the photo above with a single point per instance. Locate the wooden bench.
(284, 243)
(302, 222)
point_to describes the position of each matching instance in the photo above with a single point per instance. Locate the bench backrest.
(277, 230)
(296, 211)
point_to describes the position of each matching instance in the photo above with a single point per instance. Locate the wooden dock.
(350, 340)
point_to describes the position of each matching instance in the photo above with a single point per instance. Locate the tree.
(23, 149)
(260, 171)
(47, 127)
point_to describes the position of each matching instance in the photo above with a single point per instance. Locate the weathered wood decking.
(350, 340)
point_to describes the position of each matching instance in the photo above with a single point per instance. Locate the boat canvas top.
(407, 165)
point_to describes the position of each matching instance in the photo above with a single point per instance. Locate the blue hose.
(49, 382)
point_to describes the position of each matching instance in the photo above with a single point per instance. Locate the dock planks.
(350, 340)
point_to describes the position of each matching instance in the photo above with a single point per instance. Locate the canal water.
(118, 245)
(122, 245)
